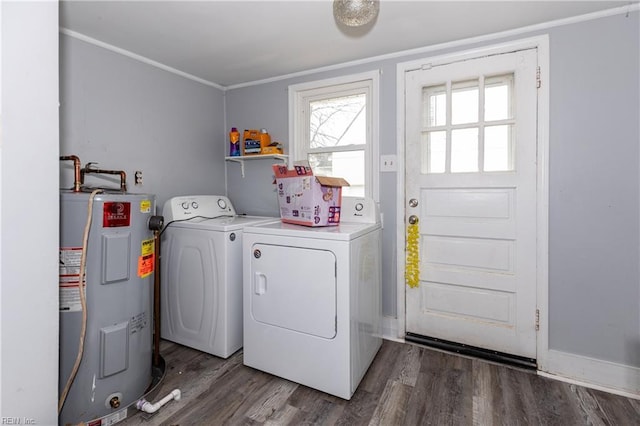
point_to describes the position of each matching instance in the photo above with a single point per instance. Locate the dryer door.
(294, 288)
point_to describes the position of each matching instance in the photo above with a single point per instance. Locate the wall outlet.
(138, 177)
(388, 163)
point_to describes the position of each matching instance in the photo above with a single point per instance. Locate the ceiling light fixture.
(355, 13)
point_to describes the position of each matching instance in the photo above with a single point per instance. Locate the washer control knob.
(257, 254)
(185, 205)
(194, 204)
(359, 207)
(222, 204)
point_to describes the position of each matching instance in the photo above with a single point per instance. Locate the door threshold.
(462, 349)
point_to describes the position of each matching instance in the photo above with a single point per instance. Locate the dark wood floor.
(405, 385)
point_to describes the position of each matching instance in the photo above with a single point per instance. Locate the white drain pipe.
(147, 407)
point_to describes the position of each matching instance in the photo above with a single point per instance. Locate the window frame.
(301, 94)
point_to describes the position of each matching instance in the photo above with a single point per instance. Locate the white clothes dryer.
(312, 299)
(201, 273)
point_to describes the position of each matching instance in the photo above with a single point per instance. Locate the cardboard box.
(306, 199)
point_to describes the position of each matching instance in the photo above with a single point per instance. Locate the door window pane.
(347, 164)
(497, 98)
(464, 150)
(464, 103)
(339, 121)
(497, 148)
(434, 152)
(434, 108)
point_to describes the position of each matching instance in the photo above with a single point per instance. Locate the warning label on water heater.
(147, 259)
(69, 279)
(147, 247)
(146, 265)
(145, 206)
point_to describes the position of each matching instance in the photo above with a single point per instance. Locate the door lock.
(413, 202)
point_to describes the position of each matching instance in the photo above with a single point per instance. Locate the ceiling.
(231, 43)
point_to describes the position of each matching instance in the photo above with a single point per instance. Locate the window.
(475, 133)
(334, 127)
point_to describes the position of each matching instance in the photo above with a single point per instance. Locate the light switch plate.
(388, 163)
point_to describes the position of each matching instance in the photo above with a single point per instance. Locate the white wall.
(29, 211)
(1, 139)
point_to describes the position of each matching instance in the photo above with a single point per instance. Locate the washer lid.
(223, 223)
(345, 231)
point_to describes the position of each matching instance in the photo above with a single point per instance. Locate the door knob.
(413, 219)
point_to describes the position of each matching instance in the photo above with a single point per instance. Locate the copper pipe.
(156, 300)
(123, 176)
(155, 224)
(76, 170)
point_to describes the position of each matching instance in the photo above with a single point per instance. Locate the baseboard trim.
(593, 373)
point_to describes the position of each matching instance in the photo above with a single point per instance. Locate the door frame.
(541, 43)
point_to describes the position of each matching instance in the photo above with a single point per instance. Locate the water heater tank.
(116, 363)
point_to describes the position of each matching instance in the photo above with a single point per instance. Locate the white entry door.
(471, 186)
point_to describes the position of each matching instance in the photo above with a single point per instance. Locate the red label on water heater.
(116, 214)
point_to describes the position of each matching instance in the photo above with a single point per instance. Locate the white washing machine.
(201, 273)
(312, 299)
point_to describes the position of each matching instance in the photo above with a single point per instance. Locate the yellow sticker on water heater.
(145, 206)
(147, 247)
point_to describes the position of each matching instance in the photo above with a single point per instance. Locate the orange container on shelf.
(265, 139)
(272, 149)
(251, 142)
(254, 141)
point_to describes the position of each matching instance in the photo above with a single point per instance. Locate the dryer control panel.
(189, 206)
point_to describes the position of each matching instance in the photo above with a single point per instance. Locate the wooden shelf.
(241, 159)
